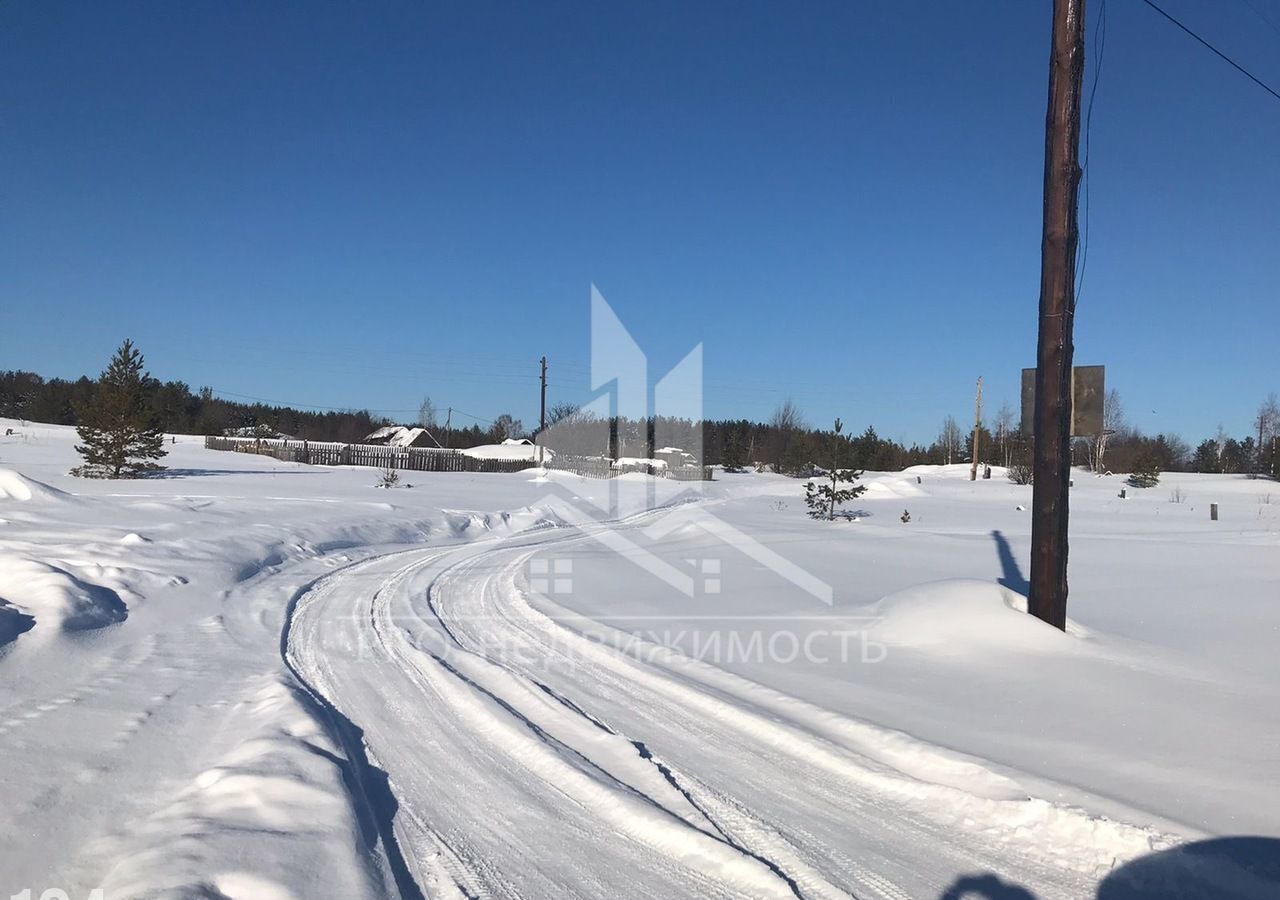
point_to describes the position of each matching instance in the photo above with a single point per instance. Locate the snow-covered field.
(256, 679)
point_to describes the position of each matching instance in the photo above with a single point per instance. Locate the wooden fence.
(413, 459)
(430, 459)
(597, 467)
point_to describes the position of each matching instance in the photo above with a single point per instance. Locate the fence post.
(1213, 512)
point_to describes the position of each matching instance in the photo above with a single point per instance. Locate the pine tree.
(1146, 470)
(1206, 458)
(118, 428)
(822, 499)
(734, 455)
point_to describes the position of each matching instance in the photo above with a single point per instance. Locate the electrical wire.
(1231, 62)
(1100, 37)
(302, 406)
(1263, 16)
(313, 406)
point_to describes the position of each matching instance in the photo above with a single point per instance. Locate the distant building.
(401, 436)
(257, 431)
(674, 457)
(511, 449)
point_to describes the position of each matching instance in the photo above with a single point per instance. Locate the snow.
(256, 679)
(634, 463)
(16, 486)
(963, 616)
(400, 436)
(509, 449)
(54, 596)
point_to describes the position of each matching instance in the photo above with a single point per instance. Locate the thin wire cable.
(303, 406)
(1231, 62)
(1100, 38)
(314, 406)
(1263, 16)
(470, 416)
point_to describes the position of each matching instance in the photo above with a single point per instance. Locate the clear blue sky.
(358, 204)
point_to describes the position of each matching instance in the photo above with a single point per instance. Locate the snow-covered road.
(527, 757)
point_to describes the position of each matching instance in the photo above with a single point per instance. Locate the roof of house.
(521, 450)
(399, 436)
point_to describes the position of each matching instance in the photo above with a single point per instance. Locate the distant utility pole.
(448, 423)
(977, 427)
(1052, 419)
(542, 415)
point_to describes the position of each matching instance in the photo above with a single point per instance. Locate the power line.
(470, 416)
(1263, 16)
(1100, 36)
(314, 406)
(1235, 65)
(293, 405)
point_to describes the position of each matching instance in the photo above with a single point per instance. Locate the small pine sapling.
(822, 499)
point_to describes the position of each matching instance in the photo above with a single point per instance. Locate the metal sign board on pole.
(1088, 389)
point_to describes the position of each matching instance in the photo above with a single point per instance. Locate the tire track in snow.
(393, 585)
(565, 794)
(970, 832)
(558, 763)
(369, 785)
(600, 729)
(744, 832)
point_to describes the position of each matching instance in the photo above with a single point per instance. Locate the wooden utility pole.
(1052, 421)
(977, 427)
(448, 424)
(542, 415)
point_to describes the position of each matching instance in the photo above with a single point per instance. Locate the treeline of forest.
(787, 443)
(177, 409)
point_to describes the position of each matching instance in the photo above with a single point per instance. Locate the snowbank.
(50, 594)
(514, 450)
(16, 486)
(966, 615)
(271, 819)
(892, 486)
(630, 463)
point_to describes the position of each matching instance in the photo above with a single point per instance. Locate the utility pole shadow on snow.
(1010, 573)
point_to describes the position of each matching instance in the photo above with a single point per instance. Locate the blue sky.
(356, 205)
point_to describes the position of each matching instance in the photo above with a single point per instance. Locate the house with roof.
(401, 436)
